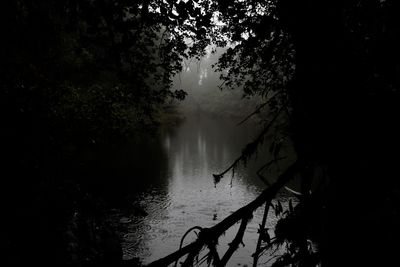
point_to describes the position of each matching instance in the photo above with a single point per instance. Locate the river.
(180, 193)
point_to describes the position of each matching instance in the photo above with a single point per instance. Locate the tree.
(76, 76)
(333, 66)
(78, 73)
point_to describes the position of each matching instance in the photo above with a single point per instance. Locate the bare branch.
(267, 165)
(249, 147)
(261, 231)
(183, 238)
(258, 109)
(192, 255)
(221, 85)
(209, 234)
(235, 243)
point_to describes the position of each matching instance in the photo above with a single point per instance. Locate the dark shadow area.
(99, 153)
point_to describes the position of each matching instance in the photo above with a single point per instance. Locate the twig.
(190, 258)
(273, 257)
(268, 164)
(296, 193)
(252, 145)
(183, 238)
(203, 259)
(222, 84)
(260, 236)
(235, 243)
(264, 248)
(257, 109)
(214, 253)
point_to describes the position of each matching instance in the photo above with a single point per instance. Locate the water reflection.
(187, 195)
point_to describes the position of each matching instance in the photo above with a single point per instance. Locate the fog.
(206, 93)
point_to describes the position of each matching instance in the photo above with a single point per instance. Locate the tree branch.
(258, 109)
(267, 165)
(235, 243)
(249, 147)
(208, 234)
(260, 236)
(183, 238)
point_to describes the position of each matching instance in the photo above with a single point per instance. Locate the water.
(184, 193)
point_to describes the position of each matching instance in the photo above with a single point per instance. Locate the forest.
(89, 87)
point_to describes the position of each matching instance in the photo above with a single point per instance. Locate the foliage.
(205, 93)
(75, 73)
(78, 76)
(333, 67)
(334, 63)
(97, 67)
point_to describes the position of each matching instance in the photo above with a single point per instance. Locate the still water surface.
(185, 195)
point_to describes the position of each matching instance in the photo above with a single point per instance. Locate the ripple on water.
(187, 197)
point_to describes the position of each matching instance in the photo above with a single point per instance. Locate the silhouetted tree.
(330, 68)
(79, 73)
(76, 76)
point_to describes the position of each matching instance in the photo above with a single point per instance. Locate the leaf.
(217, 178)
